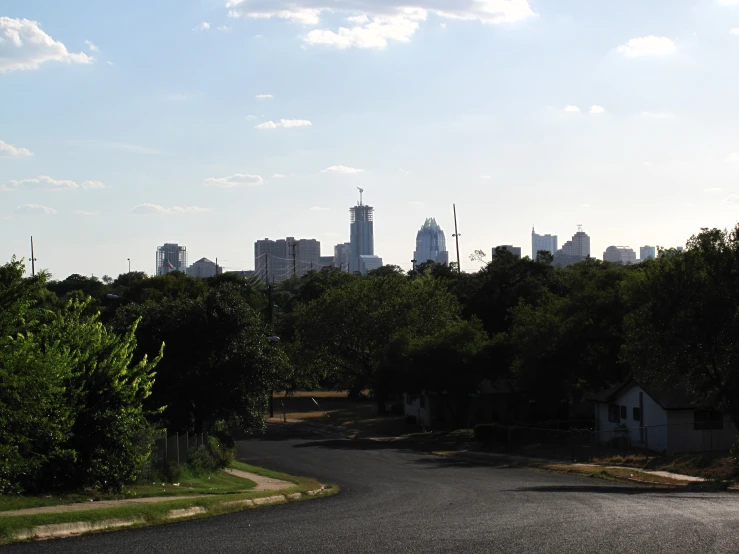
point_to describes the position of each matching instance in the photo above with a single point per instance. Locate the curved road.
(401, 501)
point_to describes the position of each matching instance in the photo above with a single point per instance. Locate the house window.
(636, 413)
(613, 413)
(707, 419)
(623, 412)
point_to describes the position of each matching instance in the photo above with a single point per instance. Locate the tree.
(349, 331)
(683, 325)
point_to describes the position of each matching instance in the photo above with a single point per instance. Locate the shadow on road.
(610, 489)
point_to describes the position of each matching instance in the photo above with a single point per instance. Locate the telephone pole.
(33, 261)
(456, 236)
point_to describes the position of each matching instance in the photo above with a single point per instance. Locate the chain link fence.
(167, 450)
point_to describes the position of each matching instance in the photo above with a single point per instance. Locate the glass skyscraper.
(362, 235)
(431, 244)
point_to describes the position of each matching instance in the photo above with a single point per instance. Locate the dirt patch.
(263, 483)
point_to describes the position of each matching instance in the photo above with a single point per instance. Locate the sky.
(215, 123)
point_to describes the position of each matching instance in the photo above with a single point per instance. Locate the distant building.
(362, 233)
(342, 252)
(325, 261)
(246, 274)
(619, 255)
(171, 257)
(368, 263)
(431, 244)
(647, 253)
(515, 250)
(542, 242)
(575, 250)
(278, 260)
(203, 269)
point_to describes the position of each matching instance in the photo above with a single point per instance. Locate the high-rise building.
(326, 261)
(278, 260)
(203, 269)
(619, 255)
(431, 244)
(647, 253)
(342, 253)
(368, 263)
(515, 250)
(362, 233)
(542, 242)
(171, 257)
(575, 250)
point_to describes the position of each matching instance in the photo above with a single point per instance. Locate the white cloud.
(373, 23)
(595, 110)
(83, 213)
(223, 28)
(91, 47)
(647, 46)
(202, 27)
(279, 176)
(34, 209)
(233, 181)
(319, 209)
(264, 97)
(45, 182)
(284, 124)
(735, 31)
(345, 170)
(648, 164)
(23, 46)
(486, 177)
(732, 199)
(572, 109)
(732, 158)
(10, 151)
(727, 2)
(155, 209)
(713, 189)
(404, 171)
(415, 203)
(658, 115)
(110, 63)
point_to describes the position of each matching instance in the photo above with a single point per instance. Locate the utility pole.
(456, 236)
(294, 246)
(266, 268)
(413, 261)
(129, 273)
(33, 261)
(216, 265)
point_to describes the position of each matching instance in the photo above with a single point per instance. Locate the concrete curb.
(61, 530)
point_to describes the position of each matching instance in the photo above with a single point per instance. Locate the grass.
(714, 466)
(189, 484)
(155, 513)
(610, 473)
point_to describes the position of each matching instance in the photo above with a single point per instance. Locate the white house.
(661, 420)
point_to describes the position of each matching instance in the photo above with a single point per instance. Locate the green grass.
(189, 484)
(155, 513)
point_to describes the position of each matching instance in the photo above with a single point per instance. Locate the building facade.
(647, 253)
(278, 260)
(368, 263)
(203, 269)
(342, 252)
(362, 235)
(431, 244)
(542, 242)
(575, 250)
(619, 255)
(171, 257)
(515, 250)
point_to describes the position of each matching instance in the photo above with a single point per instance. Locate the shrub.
(489, 433)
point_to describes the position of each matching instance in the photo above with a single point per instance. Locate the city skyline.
(218, 126)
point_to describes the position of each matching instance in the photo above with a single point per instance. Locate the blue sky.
(214, 124)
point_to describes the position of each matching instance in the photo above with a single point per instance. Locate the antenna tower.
(361, 190)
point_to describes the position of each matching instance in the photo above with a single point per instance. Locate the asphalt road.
(401, 501)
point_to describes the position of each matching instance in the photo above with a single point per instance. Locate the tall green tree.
(683, 326)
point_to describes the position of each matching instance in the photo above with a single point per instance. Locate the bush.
(489, 433)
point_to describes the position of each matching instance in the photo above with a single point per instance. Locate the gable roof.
(667, 398)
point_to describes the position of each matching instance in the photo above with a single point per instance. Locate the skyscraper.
(362, 233)
(575, 250)
(278, 260)
(171, 257)
(542, 242)
(431, 244)
(619, 255)
(342, 253)
(647, 253)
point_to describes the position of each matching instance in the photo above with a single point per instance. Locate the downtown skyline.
(264, 126)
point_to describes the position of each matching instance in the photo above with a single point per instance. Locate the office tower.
(515, 250)
(542, 242)
(431, 244)
(278, 260)
(619, 255)
(647, 253)
(342, 252)
(171, 257)
(203, 269)
(368, 263)
(575, 250)
(362, 233)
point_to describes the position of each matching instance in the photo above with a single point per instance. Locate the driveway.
(401, 501)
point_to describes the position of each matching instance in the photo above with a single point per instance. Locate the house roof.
(669, 399)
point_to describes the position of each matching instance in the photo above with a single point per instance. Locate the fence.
(171, 449)
(583, 444)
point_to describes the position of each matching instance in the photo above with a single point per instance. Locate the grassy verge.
(211, 483)
(632, 475)
(156, 513)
